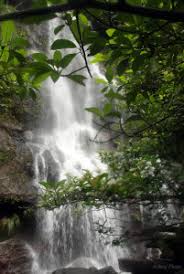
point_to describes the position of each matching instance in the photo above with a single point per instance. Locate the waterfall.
(62, 147)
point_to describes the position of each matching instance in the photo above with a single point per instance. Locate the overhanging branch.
(171, 16)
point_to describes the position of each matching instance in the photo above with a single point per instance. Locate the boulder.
(14, 257)
(91, 270)
(107, 270)
(75, 270)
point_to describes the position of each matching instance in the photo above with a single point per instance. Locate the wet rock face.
(17, 193)
(14, 257)
(15, 165)
(52, 167)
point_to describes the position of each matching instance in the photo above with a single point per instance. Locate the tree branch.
(82, 45)
(107, 25)
(74, 71)
(172, 16)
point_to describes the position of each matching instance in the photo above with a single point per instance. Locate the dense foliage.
(143, 104)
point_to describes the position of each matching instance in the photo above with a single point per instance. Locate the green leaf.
(58, 29)
(115, 114)
(47, 184)
(40, 77)
(99, 57)
(83, 19)
(114, 95)
(36, 67)
(7, 31)
(57, 58)
(110, 32)
(54, 75)
(67, 60)
(40, 57)
(62, 44)
(20, 57)
(20, 42)
(74, 30)
(107, 108)
(5, 55)
(77, 78)
(109, 74)
(100, 81)
(94, 110)
(122, 66)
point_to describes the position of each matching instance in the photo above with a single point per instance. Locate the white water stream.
(63, 147)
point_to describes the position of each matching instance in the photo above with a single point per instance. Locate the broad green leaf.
(47, 184)
(99, 57)
(40, 66)
(77, 78)
(100, 81)
(83, 19)
(20, 42)
(5, 55)
(40, 57)
(57, 58)
(62, 44)
(7, 31)
(40, 77)
(58, 29)
(110, 32)
(54, 75)
(74, 30)
(115, 114)
(103, 90)
(114, 95)
(94, 110)
(109, 74)
(107, 108)
(67, 60)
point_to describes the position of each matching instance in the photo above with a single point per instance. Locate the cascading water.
(63, 147)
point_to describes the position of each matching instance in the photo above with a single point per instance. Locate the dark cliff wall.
(18, 196)
(17, 192)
